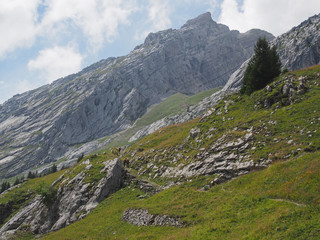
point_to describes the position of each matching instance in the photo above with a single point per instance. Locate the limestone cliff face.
(40, 126)
(298, 48)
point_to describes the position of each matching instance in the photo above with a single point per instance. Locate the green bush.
(47, 193)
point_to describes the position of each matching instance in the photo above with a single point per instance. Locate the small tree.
(4, 186)
(17, 181)
(263, 67)
(53, 168)
(47, 193)
(32, 175)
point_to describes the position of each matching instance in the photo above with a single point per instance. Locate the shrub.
(47, 193)
(4, 186)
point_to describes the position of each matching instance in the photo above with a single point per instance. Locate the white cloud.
(275, 16)
(2, 82)
(158, 17)
(99, 20)
(23, 86)
(56, 62)
(17, 24)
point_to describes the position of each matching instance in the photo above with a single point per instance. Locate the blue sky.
(43, 40)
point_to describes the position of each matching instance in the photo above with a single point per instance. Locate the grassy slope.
(173, 105)
(280, 202)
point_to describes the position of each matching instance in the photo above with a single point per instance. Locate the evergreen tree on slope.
(263, 67)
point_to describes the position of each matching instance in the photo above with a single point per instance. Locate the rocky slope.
(40, 126)
(298, 48)
(73, 200)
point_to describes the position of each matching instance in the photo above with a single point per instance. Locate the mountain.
(43, 125)
(244, 170)
(298, 48)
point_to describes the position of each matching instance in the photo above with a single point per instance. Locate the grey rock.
(141, 217)
(301, 88)
(225, 158)
(194, 132)
(268, 88)
(22, 216)
(286, 89)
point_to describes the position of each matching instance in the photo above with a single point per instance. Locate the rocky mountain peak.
(205, 22)
(204, 18)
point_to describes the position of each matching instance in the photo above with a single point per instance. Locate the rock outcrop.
(141, 217)
(73, 200)
(42, 125)
(226, 159)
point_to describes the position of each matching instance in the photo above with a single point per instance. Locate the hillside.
(247, 169)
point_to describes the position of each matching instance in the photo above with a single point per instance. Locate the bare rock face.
(42, 125)
(298, 48)
(74, 200)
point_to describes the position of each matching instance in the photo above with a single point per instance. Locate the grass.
(173, 105)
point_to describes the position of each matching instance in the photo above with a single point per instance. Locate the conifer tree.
(263, 67)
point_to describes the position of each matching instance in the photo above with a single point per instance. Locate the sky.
(43, 40)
